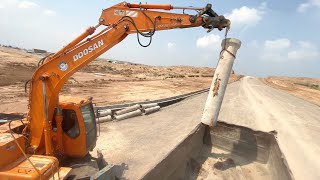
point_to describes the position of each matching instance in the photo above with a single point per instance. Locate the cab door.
(73, 133)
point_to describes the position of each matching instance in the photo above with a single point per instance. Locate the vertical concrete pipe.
(151, 109)
(128, 115)
(103, 113)
(104, 119)
(220, 79)
(128, 109)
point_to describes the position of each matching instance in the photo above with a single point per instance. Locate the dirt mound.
(302, 87)
(12, 73)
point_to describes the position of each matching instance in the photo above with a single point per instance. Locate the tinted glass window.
(70, 123)
(88, 117)
(90, 123)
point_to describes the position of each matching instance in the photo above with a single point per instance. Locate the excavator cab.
(79, 132)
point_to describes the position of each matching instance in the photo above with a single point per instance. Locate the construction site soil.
(302, 87)
(112, 82)
(107, 82)
(120, 82)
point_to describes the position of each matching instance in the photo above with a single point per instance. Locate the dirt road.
(251, 103)
(142, 141)
(136, 145)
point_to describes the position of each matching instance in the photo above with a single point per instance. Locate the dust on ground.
(214, 163)
(107, 82)
(302, 87)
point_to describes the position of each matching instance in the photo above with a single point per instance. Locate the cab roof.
(72, 99)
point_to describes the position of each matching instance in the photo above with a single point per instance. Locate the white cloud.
(4, 4)
(273, 57)
(316, 2)
(27, 5)
(281, 50)
(171, 45)
(303, 7)
(208, 40)
(245, 16)
(275, 50)
(277, 44)
(296, 55)
(306, 51)
(263, 6)
(49, 12)
(254, 44)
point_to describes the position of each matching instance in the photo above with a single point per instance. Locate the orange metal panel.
(64, 100)
(150, 6)
(21, 169)
(9, 151)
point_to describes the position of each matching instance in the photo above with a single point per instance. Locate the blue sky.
(278, 37)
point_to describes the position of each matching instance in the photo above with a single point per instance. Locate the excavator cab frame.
(79, 130)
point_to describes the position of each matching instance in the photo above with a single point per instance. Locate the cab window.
(89, 123)
(70, 124)
(88, 117)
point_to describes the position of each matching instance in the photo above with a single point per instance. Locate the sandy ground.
(210, 165)
(305, 88)
(253, 104)
(136, 145)
(106, 82)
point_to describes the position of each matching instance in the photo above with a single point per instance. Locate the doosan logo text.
(88, 50)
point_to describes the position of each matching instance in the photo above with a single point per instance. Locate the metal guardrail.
(162, 102)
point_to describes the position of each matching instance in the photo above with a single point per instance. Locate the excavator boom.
(55, 127)
(120, 20)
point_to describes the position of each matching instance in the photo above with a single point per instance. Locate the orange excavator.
(59, 127)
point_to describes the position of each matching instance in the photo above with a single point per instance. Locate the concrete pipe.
(151, 110)
(145, 106)
(128, 115)
(104, 119)
(128, 109)
(104, 113)
(220, 79)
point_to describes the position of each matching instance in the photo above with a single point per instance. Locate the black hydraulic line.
(42, 59)
(148, 34)
(25, 85)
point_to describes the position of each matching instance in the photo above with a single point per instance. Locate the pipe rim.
(231, 40)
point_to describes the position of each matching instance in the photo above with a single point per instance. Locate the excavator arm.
(119, 21)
